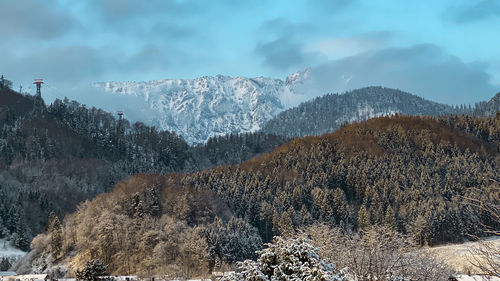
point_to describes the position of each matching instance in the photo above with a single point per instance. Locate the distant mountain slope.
(208, 106)
(489, 108)
(327, 113)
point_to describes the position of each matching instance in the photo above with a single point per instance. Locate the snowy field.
(6, 250)
(459, 255)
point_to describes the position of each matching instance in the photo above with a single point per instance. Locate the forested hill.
(53, 157)
(327, 113)
(489, 108)
(406, 172)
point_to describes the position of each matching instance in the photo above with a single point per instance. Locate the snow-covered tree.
(376, 253)
(486, 255)
(283, 260)
(5, 264)
(94, 270)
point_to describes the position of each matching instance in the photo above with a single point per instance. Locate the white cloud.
(424, 70)
(336, 48)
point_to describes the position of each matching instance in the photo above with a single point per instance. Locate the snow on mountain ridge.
(211, 105)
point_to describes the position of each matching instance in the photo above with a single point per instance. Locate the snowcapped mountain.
(208, 106)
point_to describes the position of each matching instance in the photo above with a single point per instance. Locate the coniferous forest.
(327, 113)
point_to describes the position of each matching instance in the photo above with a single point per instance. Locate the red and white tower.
(38, 82)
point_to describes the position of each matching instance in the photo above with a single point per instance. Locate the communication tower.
(38, 82)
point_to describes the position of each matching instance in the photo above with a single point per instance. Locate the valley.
(286, 140)
(408, 173)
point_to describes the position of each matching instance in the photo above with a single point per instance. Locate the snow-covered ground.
(458, 256)
(463, 277)
(12, 253)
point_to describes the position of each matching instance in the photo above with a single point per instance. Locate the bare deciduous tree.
(376, 253)
(486, 255)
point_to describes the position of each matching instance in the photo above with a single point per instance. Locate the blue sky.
(446, 50)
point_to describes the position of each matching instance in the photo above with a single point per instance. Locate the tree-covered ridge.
(328, 113)
(53, 157)
(407, 173)
(489, 108)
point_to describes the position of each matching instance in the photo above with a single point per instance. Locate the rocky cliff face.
(209, 106)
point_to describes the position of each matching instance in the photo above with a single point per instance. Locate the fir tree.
(293, 259)
(389, 218)
(93, 270)
(286, 225)
(5, 264)
(363, 218)
(55, 231)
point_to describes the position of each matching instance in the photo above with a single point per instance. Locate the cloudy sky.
(445, 50)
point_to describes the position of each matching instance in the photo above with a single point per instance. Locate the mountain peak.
(207, 106)
(298, 77)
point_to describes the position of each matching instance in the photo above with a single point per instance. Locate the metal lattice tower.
(38, 83)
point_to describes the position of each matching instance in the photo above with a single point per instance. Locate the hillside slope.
(461, 256)
(53, 157)
(489, 108)
(327, 113)
(406, 172)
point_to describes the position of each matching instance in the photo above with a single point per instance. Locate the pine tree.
(305, 216)
(340, 204)
(55, 231)
(293, 259)
(21, 230)
(286, 225)
(4, 83)
(376, 209)
(389, 218)
(363, 218)
(5, 264)
(94, 270)
(276, 222)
